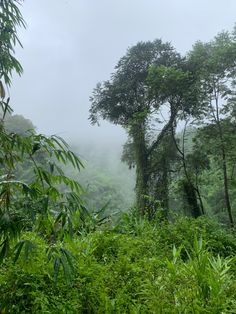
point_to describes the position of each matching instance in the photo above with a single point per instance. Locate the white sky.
(70, 45)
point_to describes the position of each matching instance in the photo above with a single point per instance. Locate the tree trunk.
(191, 190)
(161, 191)
(190, 196)
(141, 167)
(226, 188)
(224, 162)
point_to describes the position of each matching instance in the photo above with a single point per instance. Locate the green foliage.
(175, 85)
(124, 97)
(10, 20)
(48, 204)
(139, 267)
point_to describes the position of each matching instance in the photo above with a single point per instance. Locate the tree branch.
(165, 129)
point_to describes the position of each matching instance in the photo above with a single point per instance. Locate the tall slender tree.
(215, 64)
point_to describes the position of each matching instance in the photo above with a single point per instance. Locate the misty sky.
(70, 45)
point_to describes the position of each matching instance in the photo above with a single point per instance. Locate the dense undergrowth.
(187, 266)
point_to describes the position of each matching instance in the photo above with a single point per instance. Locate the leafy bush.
(127, 272)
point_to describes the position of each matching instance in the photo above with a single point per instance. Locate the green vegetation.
(65, 248)
(137, 267)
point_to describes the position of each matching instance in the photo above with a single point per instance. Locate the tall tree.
(215, 64)
(209, 144)
(124, 100)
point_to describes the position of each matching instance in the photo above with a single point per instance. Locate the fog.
(70, 45)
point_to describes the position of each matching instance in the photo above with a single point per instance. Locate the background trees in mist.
(151, 91)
